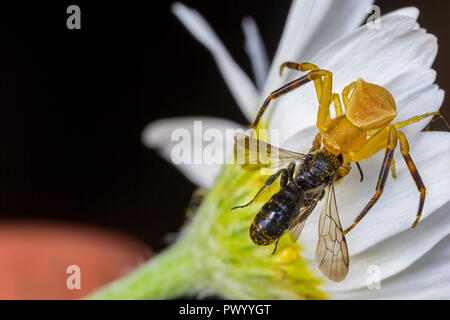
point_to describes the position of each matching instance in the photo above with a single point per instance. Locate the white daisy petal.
(254, 46)
(336, 24)
(397, 56)
(396, 209)
(310, 26)
(428, 278)
(387, 56)
(301, 141)
(162, 136)
(395, 254)
(412, 12)
(420, 102)
(238, 82)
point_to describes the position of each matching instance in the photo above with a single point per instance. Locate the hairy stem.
(172, 273)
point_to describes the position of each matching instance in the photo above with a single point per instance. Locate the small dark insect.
(307, 179)
(364, 129)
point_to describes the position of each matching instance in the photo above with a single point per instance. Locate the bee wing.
(254, 154)
(296, 230)
(297, 225)
(331, 253)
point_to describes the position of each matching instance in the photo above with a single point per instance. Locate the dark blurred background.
(73, 104)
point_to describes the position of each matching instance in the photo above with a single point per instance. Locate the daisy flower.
(388, 259)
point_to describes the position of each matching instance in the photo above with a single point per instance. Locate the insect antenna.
(437, 116)
(360, 172)
(445, 121)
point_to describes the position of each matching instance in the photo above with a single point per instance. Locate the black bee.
(306, 180)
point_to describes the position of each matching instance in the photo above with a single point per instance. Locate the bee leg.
(284, 180)
(276, 246)
(404, 149)
(291, 170)
(384, 172)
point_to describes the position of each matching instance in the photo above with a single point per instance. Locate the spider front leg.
(325, 94)
(306, 66)
(278, 93)
(324, 86)
(286, 176)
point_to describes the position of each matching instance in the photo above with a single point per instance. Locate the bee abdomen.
(274, 218)
(260, 236)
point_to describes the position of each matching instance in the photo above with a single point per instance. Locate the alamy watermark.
(374, 19)
(74, 19)
(74, 280)
(231, 146)
(373, 277)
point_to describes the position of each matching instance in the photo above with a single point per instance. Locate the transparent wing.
(296, 230)
(297, 225)
(254, 154)
(331, 252)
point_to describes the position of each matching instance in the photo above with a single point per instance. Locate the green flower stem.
(214, 254)
(170, 274)
(174, 272)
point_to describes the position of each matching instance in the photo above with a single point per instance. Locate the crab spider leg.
(393, 170)
(404, 149)
(324, 105)
(407, 122)
(277, 93)
(317, 143)
(346, 93)
(391, 134)
(304, 67)
(337, 104)
(318, 83)
(415, 119)
(325, 97)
